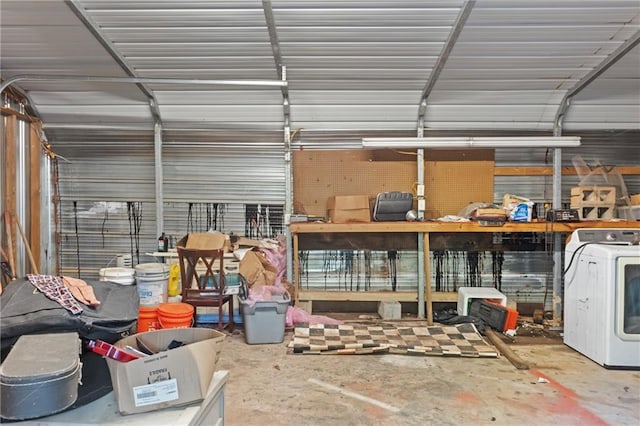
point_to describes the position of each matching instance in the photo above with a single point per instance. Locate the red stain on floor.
(567, 403)
(467, 398)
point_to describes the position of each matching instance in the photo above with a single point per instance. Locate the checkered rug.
(354, 339)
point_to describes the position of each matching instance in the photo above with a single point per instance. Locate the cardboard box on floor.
(205, 240)
(169, 378)
(348, 208)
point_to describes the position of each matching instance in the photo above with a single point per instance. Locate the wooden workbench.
(424, 229)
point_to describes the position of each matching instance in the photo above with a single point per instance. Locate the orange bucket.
(147, 319)
(175, 315)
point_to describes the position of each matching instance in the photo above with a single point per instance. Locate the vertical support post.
(557, 237)
(424, 279)
(296, 271)
(159, 177)
(9, 178)
(288, 173)
(34, 193)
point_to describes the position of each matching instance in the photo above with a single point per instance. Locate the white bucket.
(124, 260)
(124, 276)
(152, 280)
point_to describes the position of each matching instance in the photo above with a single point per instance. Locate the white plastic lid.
(145, 269)
(117, 272)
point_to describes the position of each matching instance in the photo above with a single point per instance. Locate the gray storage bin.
(264, 321)
(40, 376)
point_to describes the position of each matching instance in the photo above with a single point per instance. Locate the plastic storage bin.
(264, 321)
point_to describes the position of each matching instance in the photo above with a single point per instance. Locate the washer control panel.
(595, 235)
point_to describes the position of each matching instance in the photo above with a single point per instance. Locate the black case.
(392, 206)
(40, 376)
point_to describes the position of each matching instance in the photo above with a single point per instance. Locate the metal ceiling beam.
(596, 72)
(151, 80)
(93, 28)
(277, 55)
(458, 25)
(281, 69)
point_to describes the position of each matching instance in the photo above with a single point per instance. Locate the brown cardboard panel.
(467, 154)
(204, 240)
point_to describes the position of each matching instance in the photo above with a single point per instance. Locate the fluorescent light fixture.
(474, 142)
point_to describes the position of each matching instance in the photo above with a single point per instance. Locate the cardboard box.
(169, 377)
(205, 240)
(348, 208)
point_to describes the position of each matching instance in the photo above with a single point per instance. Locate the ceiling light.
(474, 142)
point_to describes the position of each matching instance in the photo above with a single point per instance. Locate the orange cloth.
(81, 291)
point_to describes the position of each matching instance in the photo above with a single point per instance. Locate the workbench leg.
(296, 275)
(427, 279)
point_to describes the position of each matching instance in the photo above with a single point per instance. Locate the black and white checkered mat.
(351, 339)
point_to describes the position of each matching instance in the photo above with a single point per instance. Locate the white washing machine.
(602, 296)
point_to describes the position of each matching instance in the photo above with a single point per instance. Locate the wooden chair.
(203, 281)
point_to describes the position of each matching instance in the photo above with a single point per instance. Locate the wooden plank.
(548, 171)
(359, 296)
(302, 227)
(427, 280)
(505, 350)
(374, 296)
(10, 161)
(13, 112)
(34, 192)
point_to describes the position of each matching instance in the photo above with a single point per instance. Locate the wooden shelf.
(425, 228)
(429, 227)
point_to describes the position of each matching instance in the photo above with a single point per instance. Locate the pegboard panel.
(317, 175)
(453, 179)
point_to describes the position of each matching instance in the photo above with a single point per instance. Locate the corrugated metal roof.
(351, 65)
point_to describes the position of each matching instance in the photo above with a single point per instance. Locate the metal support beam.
(286, 110)
(596, 72)
(556, 203)
(94, 29)
(101, 79)
(159, 177)
(461, 19)
(458, 25)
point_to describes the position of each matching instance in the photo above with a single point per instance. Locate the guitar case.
(40, 376)
(23, 311)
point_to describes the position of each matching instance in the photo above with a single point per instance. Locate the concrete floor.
(268, 386)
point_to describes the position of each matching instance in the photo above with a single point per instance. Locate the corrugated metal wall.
(216, 180)
(212, 181)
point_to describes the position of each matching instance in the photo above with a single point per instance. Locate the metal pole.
(159, 177)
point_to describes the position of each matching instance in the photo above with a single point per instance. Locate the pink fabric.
(296, 315)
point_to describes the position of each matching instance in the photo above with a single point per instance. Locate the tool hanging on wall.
(75, 219)
(367, 270)
(346, 257)
(497, 259)
(392, 255)
(134, 211)
(7, 272)
(104, 222)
